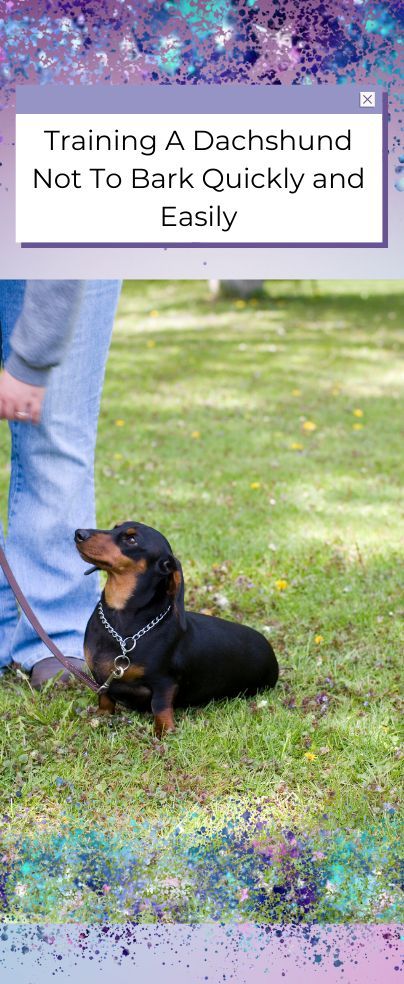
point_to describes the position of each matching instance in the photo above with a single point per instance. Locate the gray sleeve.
(43, 329)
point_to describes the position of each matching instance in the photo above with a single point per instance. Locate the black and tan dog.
(183, 658)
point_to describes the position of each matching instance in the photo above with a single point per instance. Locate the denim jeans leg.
(11, 302)
(55, 491)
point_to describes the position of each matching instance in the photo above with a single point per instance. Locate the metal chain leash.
(122, 661)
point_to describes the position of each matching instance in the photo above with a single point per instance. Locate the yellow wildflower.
(309, 756)
(281, 584)
(309, 426)
(255, 485)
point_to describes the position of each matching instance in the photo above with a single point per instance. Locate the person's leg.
(11, 301)
(54, 489)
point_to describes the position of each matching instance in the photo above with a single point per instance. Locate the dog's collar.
(127, 644)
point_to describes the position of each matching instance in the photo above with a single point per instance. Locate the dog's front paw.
(164, 723)
(106, 706)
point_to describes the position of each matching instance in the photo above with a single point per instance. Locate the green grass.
(212, 397)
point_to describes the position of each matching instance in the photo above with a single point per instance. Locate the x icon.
(367, 100)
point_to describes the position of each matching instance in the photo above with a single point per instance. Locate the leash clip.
(119, 668)
(117, 672)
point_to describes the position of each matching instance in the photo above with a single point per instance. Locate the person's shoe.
(50, 667)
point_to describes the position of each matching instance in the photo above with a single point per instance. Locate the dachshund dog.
(144, 649)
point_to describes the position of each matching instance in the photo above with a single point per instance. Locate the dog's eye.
(131, 539)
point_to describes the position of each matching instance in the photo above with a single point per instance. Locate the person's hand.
(20, 401)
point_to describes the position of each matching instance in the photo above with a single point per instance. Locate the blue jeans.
(52, 484)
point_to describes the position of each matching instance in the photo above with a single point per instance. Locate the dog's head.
(138, 560)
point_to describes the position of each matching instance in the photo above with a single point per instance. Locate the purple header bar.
(233, 99)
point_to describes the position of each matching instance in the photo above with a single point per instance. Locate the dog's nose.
(81, 535)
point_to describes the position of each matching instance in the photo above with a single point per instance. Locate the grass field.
(263, 439)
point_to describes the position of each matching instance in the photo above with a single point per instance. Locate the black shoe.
(48, 668)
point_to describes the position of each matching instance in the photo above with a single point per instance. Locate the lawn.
(263, 439)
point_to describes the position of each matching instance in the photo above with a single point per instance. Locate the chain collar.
(122, 661)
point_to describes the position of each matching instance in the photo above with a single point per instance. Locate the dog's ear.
(171, 567)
